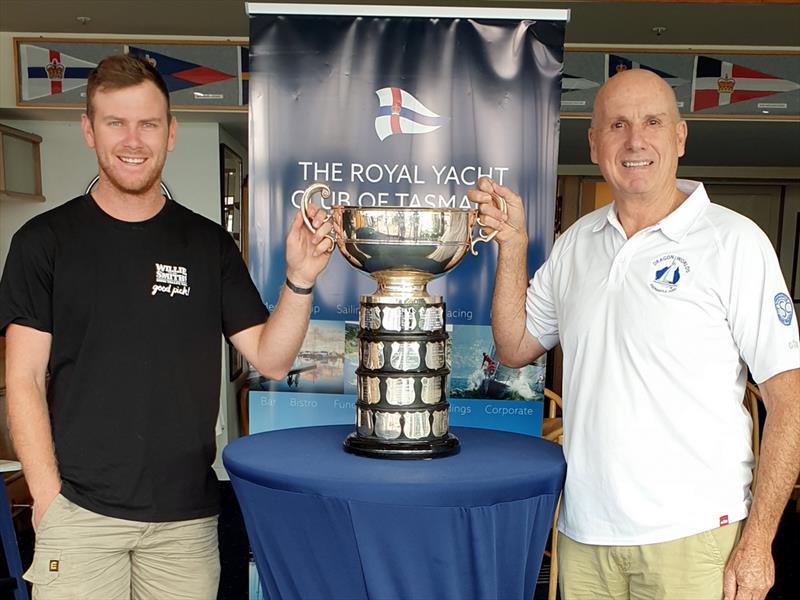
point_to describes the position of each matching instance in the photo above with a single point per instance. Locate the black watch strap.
(298, 290)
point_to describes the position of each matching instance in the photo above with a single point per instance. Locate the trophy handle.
(325, 192)
(501, 204)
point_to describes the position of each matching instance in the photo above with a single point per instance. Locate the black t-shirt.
(135, 311)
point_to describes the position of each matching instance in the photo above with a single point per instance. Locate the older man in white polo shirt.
(660, 303)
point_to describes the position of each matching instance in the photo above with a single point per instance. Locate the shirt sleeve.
(242, 306)
(540, 307)
(760, 310)
(26, 287)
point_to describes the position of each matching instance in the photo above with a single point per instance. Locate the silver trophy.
(402, 407)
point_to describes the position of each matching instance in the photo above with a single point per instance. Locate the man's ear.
(682, 132)
(88, 130)
(173, 130)
(592, 152)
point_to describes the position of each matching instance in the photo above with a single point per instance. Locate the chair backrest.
(552, 424)
(554, 404)
(752, 397)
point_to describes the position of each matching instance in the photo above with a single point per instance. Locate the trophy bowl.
(402, 408)
(426, 240)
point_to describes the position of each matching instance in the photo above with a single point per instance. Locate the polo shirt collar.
(677, 223)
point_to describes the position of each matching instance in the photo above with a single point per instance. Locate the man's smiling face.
(131, 133)
(636, 135)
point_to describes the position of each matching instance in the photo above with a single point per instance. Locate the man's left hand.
(307, 253)
(749, 574)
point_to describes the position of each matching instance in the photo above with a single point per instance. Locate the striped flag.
(720, 83)
(179, 74)
(400, 112)
(46, 72)
(616, 64)
(573, 83)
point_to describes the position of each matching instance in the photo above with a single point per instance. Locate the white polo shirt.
(656, 331)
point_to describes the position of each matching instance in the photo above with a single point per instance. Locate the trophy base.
(439, 448)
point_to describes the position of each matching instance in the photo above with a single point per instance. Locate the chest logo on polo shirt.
(171, 280)
(668, 271)
(784, 308)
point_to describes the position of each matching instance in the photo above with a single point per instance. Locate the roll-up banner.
(404, 107)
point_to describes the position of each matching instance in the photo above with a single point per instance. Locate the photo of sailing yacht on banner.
(318, 367)
(477, 373)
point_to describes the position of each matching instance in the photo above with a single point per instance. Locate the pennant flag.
(46, 72)
(616, 64)
(719, 83)
(400, 112)
(179, 74)
(573, 83)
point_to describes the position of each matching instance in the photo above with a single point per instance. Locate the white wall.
(68, 165)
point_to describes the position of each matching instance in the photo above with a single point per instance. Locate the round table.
(323, 523)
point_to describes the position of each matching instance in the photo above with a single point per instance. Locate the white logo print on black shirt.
(171, 280)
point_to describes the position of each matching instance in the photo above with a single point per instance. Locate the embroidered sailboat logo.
(669, 275)
(669, 269)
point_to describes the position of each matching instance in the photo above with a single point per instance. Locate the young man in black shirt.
(121, 295)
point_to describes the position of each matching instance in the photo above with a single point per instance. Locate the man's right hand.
(40, 505)
(510, 227)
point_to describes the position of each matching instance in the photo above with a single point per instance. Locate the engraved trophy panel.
(387, 425)
(417, 425)
(435, 355)
(369, 389)
(400, 391)
(364, 421)
(402, 337)
(399, 318)
(369, 317)
(405, 356)
(440, 423)
(372, 355)
(432, 387)
(431, 318)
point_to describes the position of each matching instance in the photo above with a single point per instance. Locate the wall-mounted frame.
(233, 211)
(235, 362)
(200, 75)
(709, 82)
(20, 165)
(232, 207)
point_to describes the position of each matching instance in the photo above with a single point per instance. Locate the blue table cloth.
(327, 524)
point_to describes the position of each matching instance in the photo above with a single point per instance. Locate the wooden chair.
(553, 430)
(752, 398)
(552, 424)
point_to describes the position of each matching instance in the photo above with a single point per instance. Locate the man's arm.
(750, 572)
(272, 346)
(516, 347)
(27, 353)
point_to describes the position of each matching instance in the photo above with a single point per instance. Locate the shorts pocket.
(47, 514)
(45, 567)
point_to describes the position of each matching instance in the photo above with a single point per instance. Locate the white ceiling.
(726, 23)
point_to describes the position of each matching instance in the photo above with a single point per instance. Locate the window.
(20, 166)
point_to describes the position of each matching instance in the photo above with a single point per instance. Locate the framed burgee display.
(200, 75)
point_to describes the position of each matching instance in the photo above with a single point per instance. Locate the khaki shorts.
(689, 568)
(80, 555)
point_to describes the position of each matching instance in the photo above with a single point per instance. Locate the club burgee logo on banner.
(400, 107)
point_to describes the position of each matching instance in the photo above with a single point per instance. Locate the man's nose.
(635, 139)
(132, 136)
